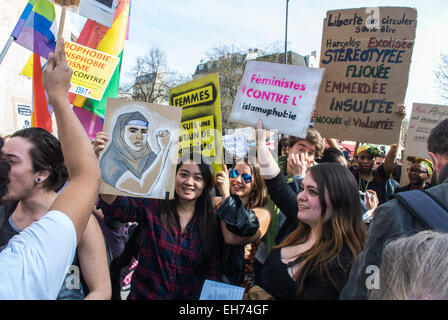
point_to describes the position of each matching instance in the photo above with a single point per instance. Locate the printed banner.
(201, 128)
(92, 70)
(282, 96)
(22, 113)
(366, 54)
(141, 156)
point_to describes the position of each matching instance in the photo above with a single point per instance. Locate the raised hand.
(223, 182)
(371, 199)
(268, 166)
(298, 163)
(57, 74)
(100, 142)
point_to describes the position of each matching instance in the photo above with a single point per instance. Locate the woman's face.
(238, 186)
(417, 173)
(310, 209)
(135, 136)
(365, 161)
(189, 183)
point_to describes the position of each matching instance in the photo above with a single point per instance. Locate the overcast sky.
(185, 30)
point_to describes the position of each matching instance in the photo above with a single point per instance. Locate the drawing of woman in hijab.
(129, 163)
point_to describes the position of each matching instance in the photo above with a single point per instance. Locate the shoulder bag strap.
(425, 208)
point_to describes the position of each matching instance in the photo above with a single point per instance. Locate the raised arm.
(391, 156)
(268, 166)
(78, 197)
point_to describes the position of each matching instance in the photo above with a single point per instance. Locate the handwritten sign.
(92, 70)
(283, 96)
(236, 146)
(424, 118)
(366, 54)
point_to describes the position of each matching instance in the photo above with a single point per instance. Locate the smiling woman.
(181, 240)
(314, 261)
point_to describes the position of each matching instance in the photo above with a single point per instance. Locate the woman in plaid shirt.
(181, 239)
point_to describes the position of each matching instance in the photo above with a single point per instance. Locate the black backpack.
(425, 209)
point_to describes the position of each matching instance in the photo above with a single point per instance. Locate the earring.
(37, 180)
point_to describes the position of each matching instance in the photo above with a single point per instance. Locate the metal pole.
(5, 49)
(286, 33)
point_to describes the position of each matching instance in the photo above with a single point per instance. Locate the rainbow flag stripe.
(36, 29)
(109, 40)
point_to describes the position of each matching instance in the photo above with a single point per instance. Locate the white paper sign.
(101, 11)
(236, 145)
(282, 96)
(213, 290)
(424, 118)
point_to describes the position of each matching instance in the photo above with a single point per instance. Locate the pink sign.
(90, 121)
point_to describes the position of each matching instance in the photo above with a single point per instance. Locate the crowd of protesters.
(306, 223)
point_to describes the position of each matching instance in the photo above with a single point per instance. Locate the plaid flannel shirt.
(165, 263)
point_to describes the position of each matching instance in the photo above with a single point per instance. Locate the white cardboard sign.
(282, 96)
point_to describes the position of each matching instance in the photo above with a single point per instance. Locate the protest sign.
(91, 123)
(235, 146)
(22, 113)
(366, 54)
(92, 70)
(424, 118)
(141, 156)
(201, 128)
(282, 96)
(101, 11)
(214, 290)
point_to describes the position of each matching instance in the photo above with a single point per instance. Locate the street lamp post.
(286, 33)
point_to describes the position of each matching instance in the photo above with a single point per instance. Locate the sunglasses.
(247, 178)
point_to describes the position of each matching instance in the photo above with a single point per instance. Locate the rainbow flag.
(109, 40)
(41, 116)
(36, 29)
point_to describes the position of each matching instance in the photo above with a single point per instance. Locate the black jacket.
(391, 221)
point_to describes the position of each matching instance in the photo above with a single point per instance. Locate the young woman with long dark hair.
(314, 261)
(181, 238)
(243, 194)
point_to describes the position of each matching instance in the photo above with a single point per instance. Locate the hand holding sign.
(223, 182)
(268, 166)
(100, 142)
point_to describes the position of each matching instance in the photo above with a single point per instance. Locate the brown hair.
(344, 229)
(258, 196)
(312, 136)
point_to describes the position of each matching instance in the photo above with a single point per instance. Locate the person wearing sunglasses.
(419, 171)
(243, 195)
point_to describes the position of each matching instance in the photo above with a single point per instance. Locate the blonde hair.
(414, 268)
